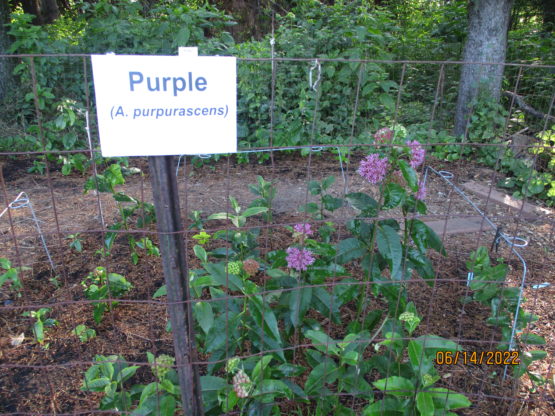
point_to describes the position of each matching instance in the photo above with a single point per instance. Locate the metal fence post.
(174, 260)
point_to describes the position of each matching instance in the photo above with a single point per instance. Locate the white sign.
(165, 105)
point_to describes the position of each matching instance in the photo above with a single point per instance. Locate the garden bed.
(48, 380)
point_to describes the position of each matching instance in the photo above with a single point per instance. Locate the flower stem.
(364, 293)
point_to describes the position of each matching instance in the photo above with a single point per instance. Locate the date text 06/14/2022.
(478, 357)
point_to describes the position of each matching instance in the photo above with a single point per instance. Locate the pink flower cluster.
(421, 193)
(299, 258)
(383, 135)
(417, 153)
(303, 229)
(373, 168)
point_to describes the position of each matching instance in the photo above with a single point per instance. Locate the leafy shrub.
(313, 29)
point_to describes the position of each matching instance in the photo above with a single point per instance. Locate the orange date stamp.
(478, 357)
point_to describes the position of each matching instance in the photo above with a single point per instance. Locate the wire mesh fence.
(351, 258)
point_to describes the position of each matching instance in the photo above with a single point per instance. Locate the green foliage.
(533, 175)
(312, 29)
(84, 333)
(10, 276)
(254, 394)
(132, 211)
(327, 201)
(76, 243)
(486, 125)
(266, 192)
(238, 218)
(41, 322)
(100, 285)
(488, 285)
(108, 377)
(99, 27)
(410, 386)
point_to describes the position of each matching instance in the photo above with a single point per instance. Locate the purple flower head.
(299, 258)
(417, 153)
(373, 168)
(303, 228)
(383, 135)
(421, 193)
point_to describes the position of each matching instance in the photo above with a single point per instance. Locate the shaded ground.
(38, 380)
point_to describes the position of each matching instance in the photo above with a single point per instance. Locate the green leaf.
(434, 241)
(5, 263)
(200, 252)
(532, 339)
(416, 354)
(397, 386)
(322, 342)
(409, 174)
(448, 399)
(389, 246)
(387, 101)
(267, 390)
(425, 403)
(126, 373)
(326, 183)
(218, 272)
(322, 374)
(38, 329)
(121, 197)
(204, 315)
(310, 208)
(314, 188)
(394, 195)
(325, 303)
(349, 249)
(149, 390)
(182, 36)
(264, 317)
(299, 302)
(219, 216)
(363, 202)
(434, 342)
(211, 383)
(291, 370)
(97, 384)
(261, 366)
(162, 291)
(249, 212)
(350, 358)
(390, 406)
(230, 401)
(167, 405)
(331, 203)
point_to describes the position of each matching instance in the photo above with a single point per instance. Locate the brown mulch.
(38, 380)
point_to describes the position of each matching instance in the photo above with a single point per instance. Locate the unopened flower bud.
(234, 267)
(232, 364)
(251, 266)
(241, 384)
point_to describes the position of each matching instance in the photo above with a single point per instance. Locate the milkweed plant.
(255, 308)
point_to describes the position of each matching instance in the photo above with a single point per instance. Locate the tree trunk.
(486, 42)
(45, 11)
(548, 11)
(5, 68)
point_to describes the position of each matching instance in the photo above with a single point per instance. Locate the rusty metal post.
(172, 248)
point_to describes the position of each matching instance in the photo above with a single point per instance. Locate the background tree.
(45, 11)
(488, 24)
(4, 44)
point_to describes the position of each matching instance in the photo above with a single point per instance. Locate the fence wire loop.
(318, 66)
(22, 200)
